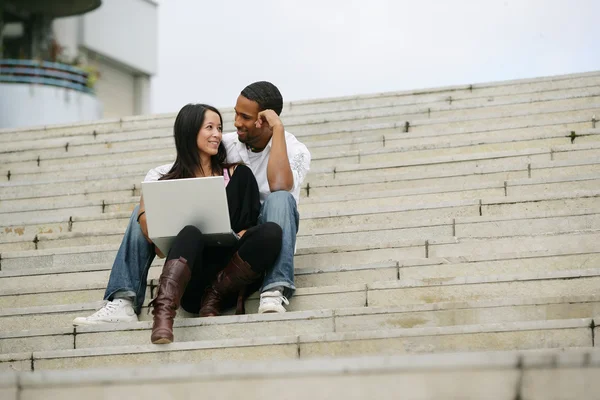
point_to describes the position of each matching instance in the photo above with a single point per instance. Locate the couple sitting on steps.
(263, 167)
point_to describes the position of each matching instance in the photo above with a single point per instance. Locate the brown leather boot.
(230, 281)
(174, 278)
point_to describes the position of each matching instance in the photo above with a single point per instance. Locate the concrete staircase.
(460, 225)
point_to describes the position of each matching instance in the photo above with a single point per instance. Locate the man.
(280, 164)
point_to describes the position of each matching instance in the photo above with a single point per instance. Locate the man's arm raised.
(279, 172)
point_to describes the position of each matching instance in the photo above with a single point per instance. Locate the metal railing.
(44, 73)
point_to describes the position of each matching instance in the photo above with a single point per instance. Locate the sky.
(210, 50)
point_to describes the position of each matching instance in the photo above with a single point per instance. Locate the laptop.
(171, 205)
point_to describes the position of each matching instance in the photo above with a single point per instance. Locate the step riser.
(475, 292)
(467, 117)
(128, 181)
(166, 144)
(574, 119)
(439, 273)
(479, 95)
(470, 384)
(465, 95)
(344, 323)
(319, 149)
(429, 273)
(459, 109)
(575, 337)
(23, 237)
(579, 337)
(467, 108)
(326, 224)
(35, 300)
(479, 247)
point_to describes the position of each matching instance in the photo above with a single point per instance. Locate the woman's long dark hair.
(186, 128)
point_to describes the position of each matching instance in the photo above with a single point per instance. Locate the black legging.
(259, 247)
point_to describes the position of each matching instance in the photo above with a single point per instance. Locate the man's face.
(246, 113)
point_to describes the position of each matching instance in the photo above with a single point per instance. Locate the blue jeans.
(280, 207)
(129, 274)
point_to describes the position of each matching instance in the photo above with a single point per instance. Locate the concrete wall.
(66, 33)
(30, 105)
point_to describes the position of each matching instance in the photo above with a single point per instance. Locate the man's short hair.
(265, 94)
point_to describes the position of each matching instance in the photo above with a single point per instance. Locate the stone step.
(355, 156)
(506, 225)
(569, 374)
(34, 287)
(348, 265)
(141, 165)
(455, 108)
(460, 174)
(501, 336)
(63, 336)
(24, 237)
(491, 207)
(444, 126)
(572, 116)
(500, 106)
(457, 95)
(469, 117)
(571, 121)
(332, 220)
(11, 190)
(131, 182)
(585, 173)
(92, 145)
(423, 194)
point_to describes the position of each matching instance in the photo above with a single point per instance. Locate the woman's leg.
(177, 271)
(257, 250)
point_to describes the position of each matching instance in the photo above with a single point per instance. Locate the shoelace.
(108, 309)
(275, 299)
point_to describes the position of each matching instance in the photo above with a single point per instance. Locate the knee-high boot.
(173, 280)
(232, 280)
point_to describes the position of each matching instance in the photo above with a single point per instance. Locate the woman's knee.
(189, 232)
(271, 232)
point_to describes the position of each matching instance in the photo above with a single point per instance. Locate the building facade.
(113, 43)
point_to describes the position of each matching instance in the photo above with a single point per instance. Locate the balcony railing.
(44, 73)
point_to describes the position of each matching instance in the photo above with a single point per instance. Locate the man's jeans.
(280, 207)
(129, 273)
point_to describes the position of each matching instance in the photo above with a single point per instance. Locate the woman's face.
(210, 134)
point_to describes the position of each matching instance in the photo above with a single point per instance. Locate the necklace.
(253, 149)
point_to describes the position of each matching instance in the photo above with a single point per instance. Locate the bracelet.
(139, 215)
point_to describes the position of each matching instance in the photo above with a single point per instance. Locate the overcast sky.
(210, 50)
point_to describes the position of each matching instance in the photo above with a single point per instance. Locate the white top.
(237, 152)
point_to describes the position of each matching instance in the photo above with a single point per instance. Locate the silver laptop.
(173, 204)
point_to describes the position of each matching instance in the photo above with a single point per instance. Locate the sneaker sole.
(271, 311)
(90, 323)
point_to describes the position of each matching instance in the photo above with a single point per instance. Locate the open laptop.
(171, 205)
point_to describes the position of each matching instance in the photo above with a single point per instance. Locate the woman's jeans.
(129, 273)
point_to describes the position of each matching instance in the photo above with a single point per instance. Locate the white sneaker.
(119, 310)
(270, 302)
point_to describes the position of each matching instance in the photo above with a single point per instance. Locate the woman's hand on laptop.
(241, 233)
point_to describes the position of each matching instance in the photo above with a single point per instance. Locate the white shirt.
(298, 155)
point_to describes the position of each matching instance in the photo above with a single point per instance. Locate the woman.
(200, 278)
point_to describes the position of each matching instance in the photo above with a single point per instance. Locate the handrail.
(44, 73)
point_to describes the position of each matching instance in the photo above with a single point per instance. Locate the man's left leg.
(278, 285)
